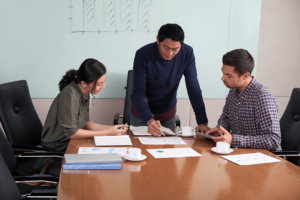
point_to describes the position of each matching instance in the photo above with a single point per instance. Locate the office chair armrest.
(287, 153)
(177, 121)
(41, 154)
(116, 118)
(21, 147)
(43, 193)
(36, 178)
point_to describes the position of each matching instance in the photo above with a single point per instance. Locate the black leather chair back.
(127, 106)
(290, 126)
(8, 188)
(19, 119)
(7, 153)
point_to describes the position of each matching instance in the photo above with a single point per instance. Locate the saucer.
(179, 133)
(214, 149)
(143, 157)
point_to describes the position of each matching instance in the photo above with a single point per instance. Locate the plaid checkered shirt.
(252, 118)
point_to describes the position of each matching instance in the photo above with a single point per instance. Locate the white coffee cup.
(186, 130)
(222, 147)
(134, 153)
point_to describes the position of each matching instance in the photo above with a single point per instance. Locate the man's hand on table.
(220, 135)
(202, 128)
(153, 127)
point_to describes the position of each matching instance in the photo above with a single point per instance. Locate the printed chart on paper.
(161, 140)
(173, 152)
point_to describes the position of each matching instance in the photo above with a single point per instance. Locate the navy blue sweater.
(155, 82)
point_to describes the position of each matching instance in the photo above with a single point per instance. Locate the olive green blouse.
(68, 113)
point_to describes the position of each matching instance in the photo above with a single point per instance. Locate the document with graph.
(251, 159)
(161, 140)
(97, 150)
(173, 152)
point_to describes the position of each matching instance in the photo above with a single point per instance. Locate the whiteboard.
(41, 40)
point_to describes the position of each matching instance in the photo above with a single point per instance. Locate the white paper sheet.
(97, 150)
(116, 140)
(251, 159)
(173, 153)
(143, 130)
(161, 140)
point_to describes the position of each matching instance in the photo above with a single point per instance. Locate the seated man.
(157, 71)
(250, 115)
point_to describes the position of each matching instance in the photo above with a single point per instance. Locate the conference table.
(206, 177)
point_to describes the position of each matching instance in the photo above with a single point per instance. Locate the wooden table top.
(206, 177)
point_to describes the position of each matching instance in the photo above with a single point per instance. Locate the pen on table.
(161, 130)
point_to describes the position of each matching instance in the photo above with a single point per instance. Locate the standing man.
(250, 111)
(157, 71)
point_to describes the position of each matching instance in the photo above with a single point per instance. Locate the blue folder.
(93, 166)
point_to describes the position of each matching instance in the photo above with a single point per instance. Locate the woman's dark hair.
(172, 31)
(240, 59)
(89, 71)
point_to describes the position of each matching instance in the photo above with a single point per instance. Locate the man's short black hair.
(240, 59)
(172, 31)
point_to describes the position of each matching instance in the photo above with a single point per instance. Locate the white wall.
(41, 40)
(278, 67)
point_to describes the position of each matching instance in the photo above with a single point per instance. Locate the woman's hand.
(117, 130)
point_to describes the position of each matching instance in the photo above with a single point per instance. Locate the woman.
(68, 117)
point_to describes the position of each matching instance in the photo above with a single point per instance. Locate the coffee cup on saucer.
(134, 153)
(222, 147)
(186, 130)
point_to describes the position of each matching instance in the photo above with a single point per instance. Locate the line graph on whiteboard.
(96, 16)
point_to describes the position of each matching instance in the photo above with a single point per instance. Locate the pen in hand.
(123, 126)
(161, 130)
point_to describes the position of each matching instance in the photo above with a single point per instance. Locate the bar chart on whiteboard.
(98, 16)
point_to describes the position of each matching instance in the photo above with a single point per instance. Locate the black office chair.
(21, 123)
(127, 106)
(9, 190)
(19, 119)
(290, 129)
(35, 168)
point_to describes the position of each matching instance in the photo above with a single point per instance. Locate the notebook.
(94, 166)
(75, 159)
(143, 131)
(122, 140)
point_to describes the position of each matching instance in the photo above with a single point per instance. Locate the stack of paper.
(92, 161)
(94, 166)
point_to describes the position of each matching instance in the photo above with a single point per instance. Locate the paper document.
(97, 150)
(121, 140)
(251, 159)
(173, 153)
(143, 130)
(161, 140)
